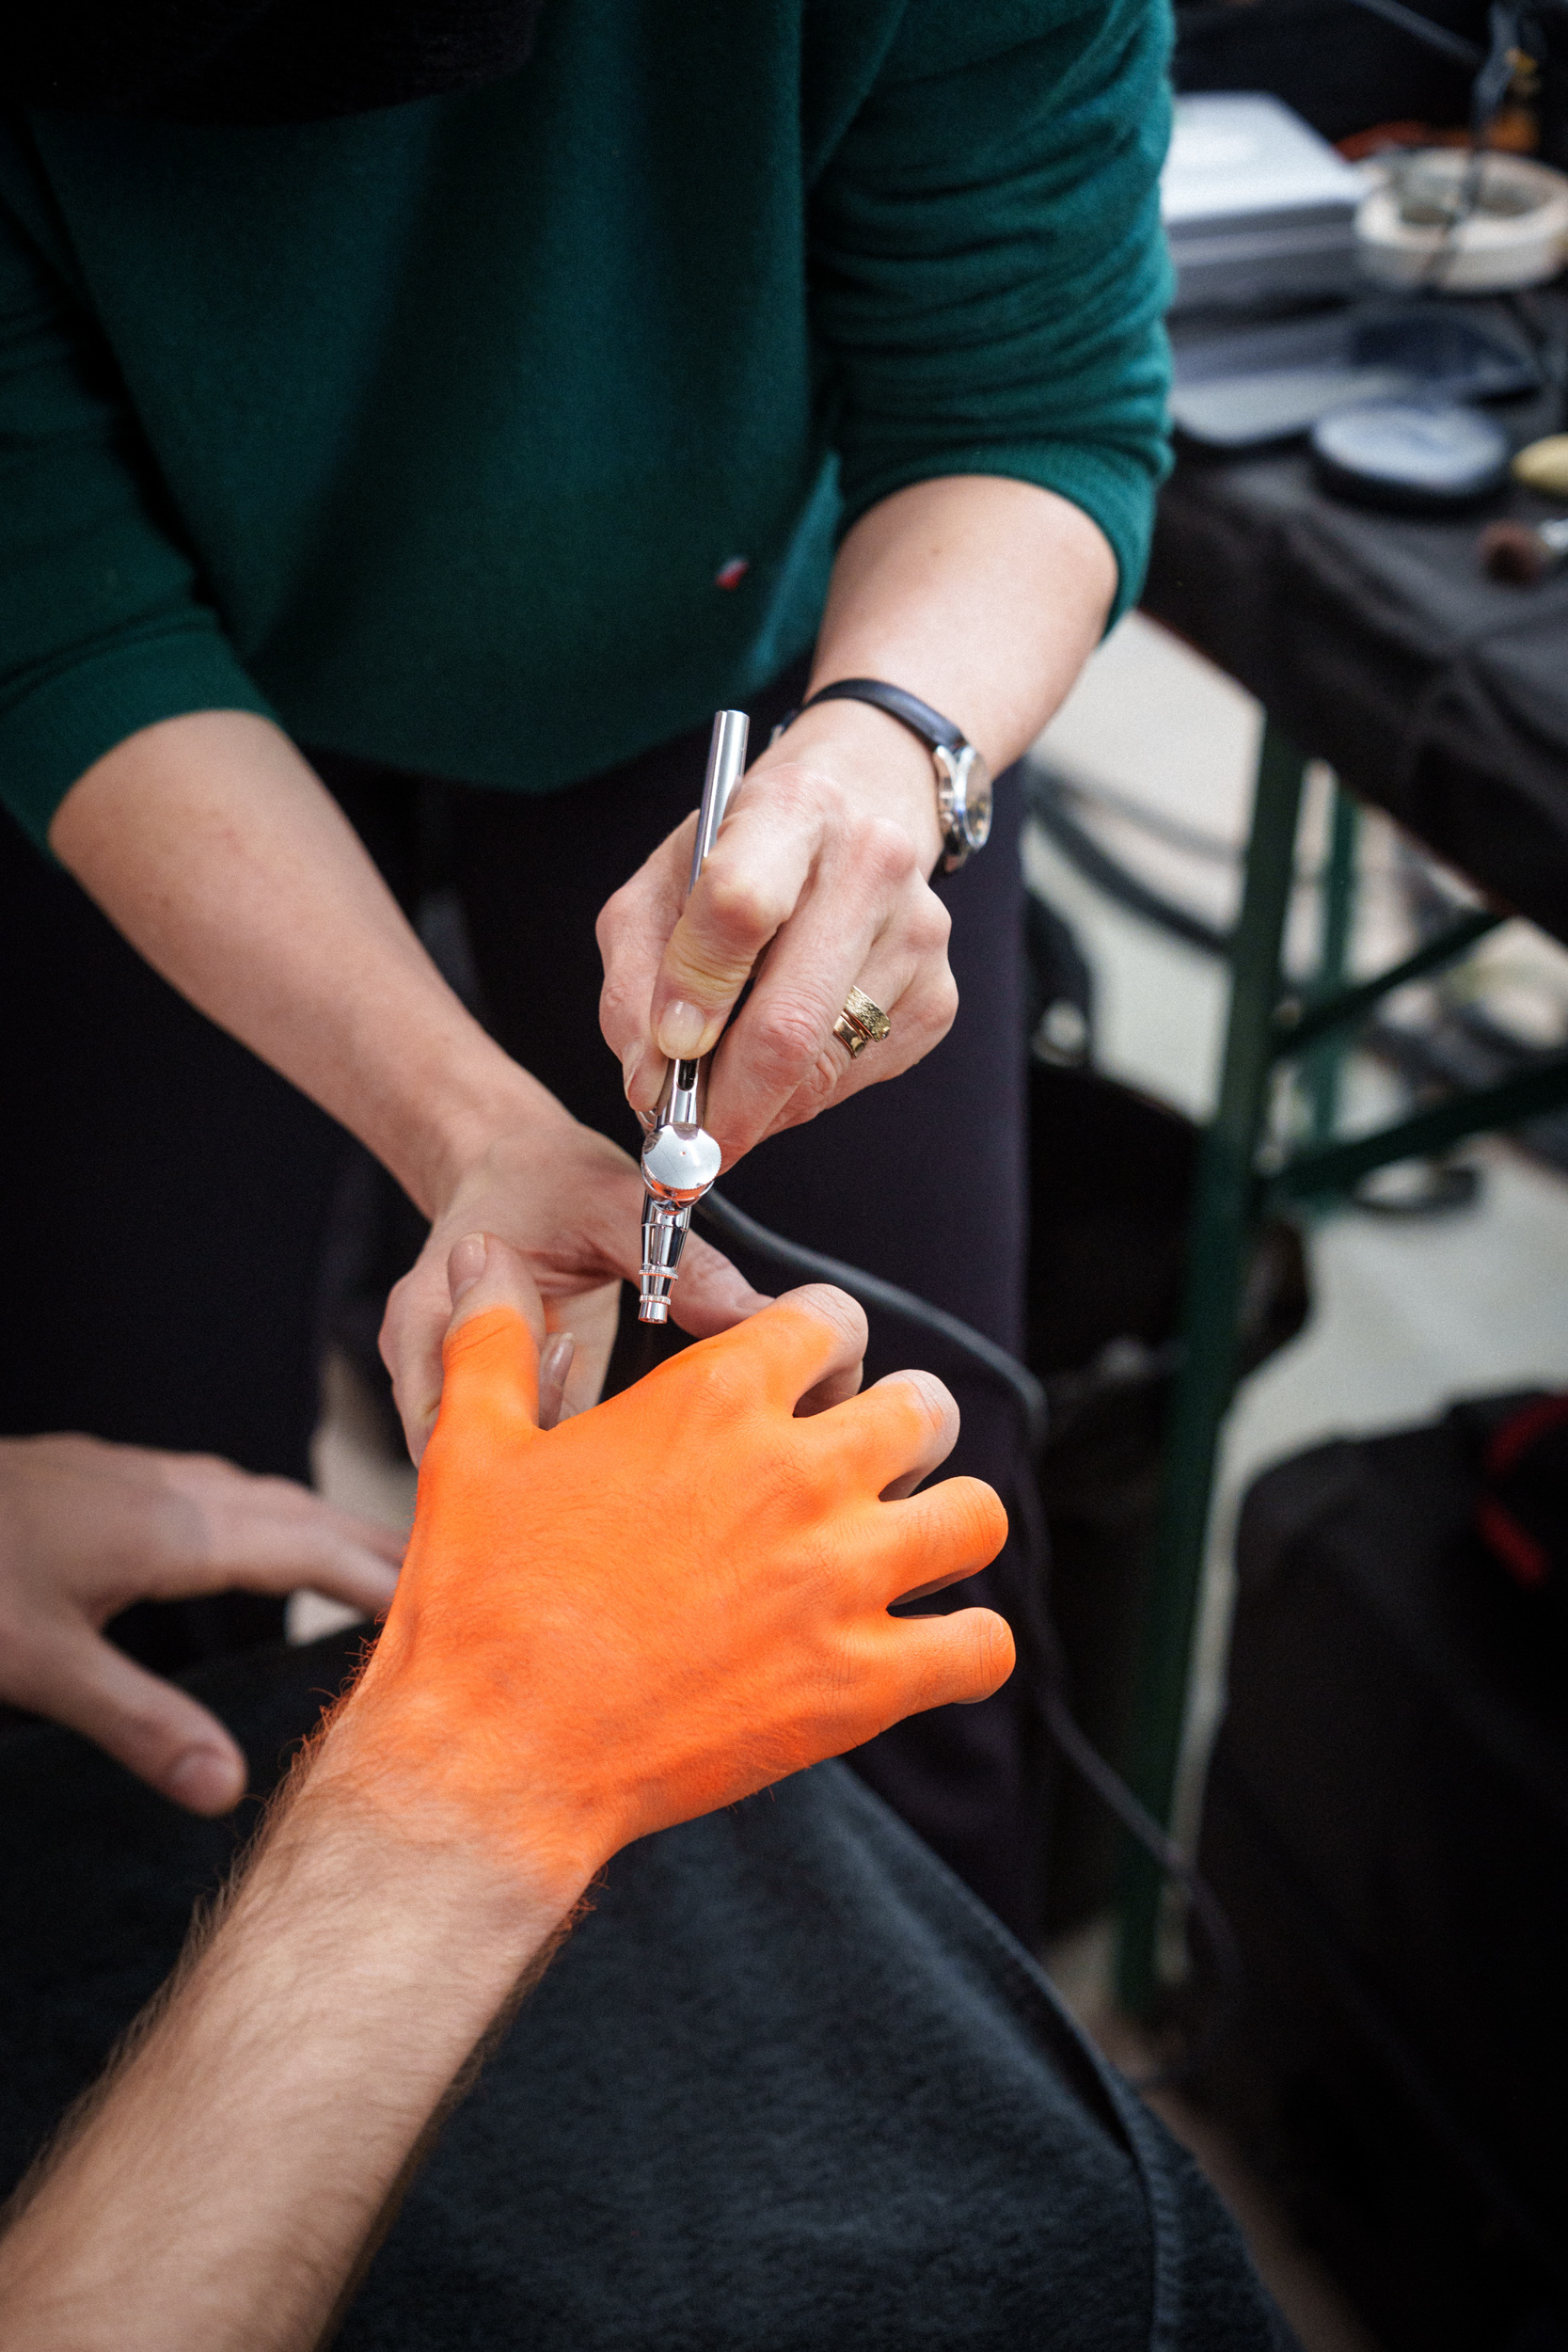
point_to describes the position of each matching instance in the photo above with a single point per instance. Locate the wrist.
(474, 1106)
(397, 1775)
(419, 1899)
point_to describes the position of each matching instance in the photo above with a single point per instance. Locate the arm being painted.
(528, 1709)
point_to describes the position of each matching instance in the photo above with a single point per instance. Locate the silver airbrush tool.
(680, 1159)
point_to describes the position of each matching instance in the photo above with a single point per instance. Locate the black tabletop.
(1377, 643)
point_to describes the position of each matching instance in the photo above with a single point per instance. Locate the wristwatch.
(963, 780)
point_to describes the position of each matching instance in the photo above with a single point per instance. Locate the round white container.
(1515, 235)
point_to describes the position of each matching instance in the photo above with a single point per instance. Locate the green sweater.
(500, 436)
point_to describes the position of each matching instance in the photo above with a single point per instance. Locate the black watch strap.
(931, 727)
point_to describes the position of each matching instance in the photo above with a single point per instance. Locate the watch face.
(963, 802)
(975, 815)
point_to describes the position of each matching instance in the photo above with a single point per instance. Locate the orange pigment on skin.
(666, 1603)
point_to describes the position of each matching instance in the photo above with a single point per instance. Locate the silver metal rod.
(680, 1159)
(727, 762)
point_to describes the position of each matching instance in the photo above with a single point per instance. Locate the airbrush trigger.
(680, 1159)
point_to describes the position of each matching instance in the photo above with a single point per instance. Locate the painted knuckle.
(988, 1656)
(714, 1387)
(930, 1399)
(825, 1303)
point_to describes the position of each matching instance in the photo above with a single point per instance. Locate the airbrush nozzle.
(680, 1159)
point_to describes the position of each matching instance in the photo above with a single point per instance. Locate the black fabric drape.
(787, 2085)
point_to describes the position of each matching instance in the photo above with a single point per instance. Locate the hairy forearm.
(212, 846)
(220, 2184)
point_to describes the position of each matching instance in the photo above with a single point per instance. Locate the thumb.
(154, 1730)
(490, 1354)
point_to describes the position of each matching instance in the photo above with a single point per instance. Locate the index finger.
(747, 891)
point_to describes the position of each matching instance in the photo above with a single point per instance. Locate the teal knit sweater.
(498, 437)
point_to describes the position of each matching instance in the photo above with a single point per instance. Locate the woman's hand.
(821, 867)
(980, 594)
(86, 1528)
(218, 854)
(570, 1203)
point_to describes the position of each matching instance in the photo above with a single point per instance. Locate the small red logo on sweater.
(730, 575)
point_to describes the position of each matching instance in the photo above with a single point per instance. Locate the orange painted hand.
(673, 1600)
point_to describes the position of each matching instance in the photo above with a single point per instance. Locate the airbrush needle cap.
(680, 1162)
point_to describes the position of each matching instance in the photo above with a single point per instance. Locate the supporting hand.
(570, 1203)
(85, 1529)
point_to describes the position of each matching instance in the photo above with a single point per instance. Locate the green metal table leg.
(1324, 1066)
(1222, 1215)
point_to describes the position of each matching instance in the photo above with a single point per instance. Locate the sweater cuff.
(52, 731)
(1114, 488)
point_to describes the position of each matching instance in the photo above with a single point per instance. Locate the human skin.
(86, 1528)
(212, 844)
(562, 1670)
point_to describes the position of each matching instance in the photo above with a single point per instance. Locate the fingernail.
(555, 1364)
(466, 1264)
(204, 1781)
(631, 1062)
(682, 1031)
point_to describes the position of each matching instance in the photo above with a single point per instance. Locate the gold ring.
(861, 1024)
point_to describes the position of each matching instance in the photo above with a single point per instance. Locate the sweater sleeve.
(987, 269)
(104, 628)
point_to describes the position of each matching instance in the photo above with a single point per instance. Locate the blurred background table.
(1374, 644)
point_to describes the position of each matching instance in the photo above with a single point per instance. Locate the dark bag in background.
(1387, 1828)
